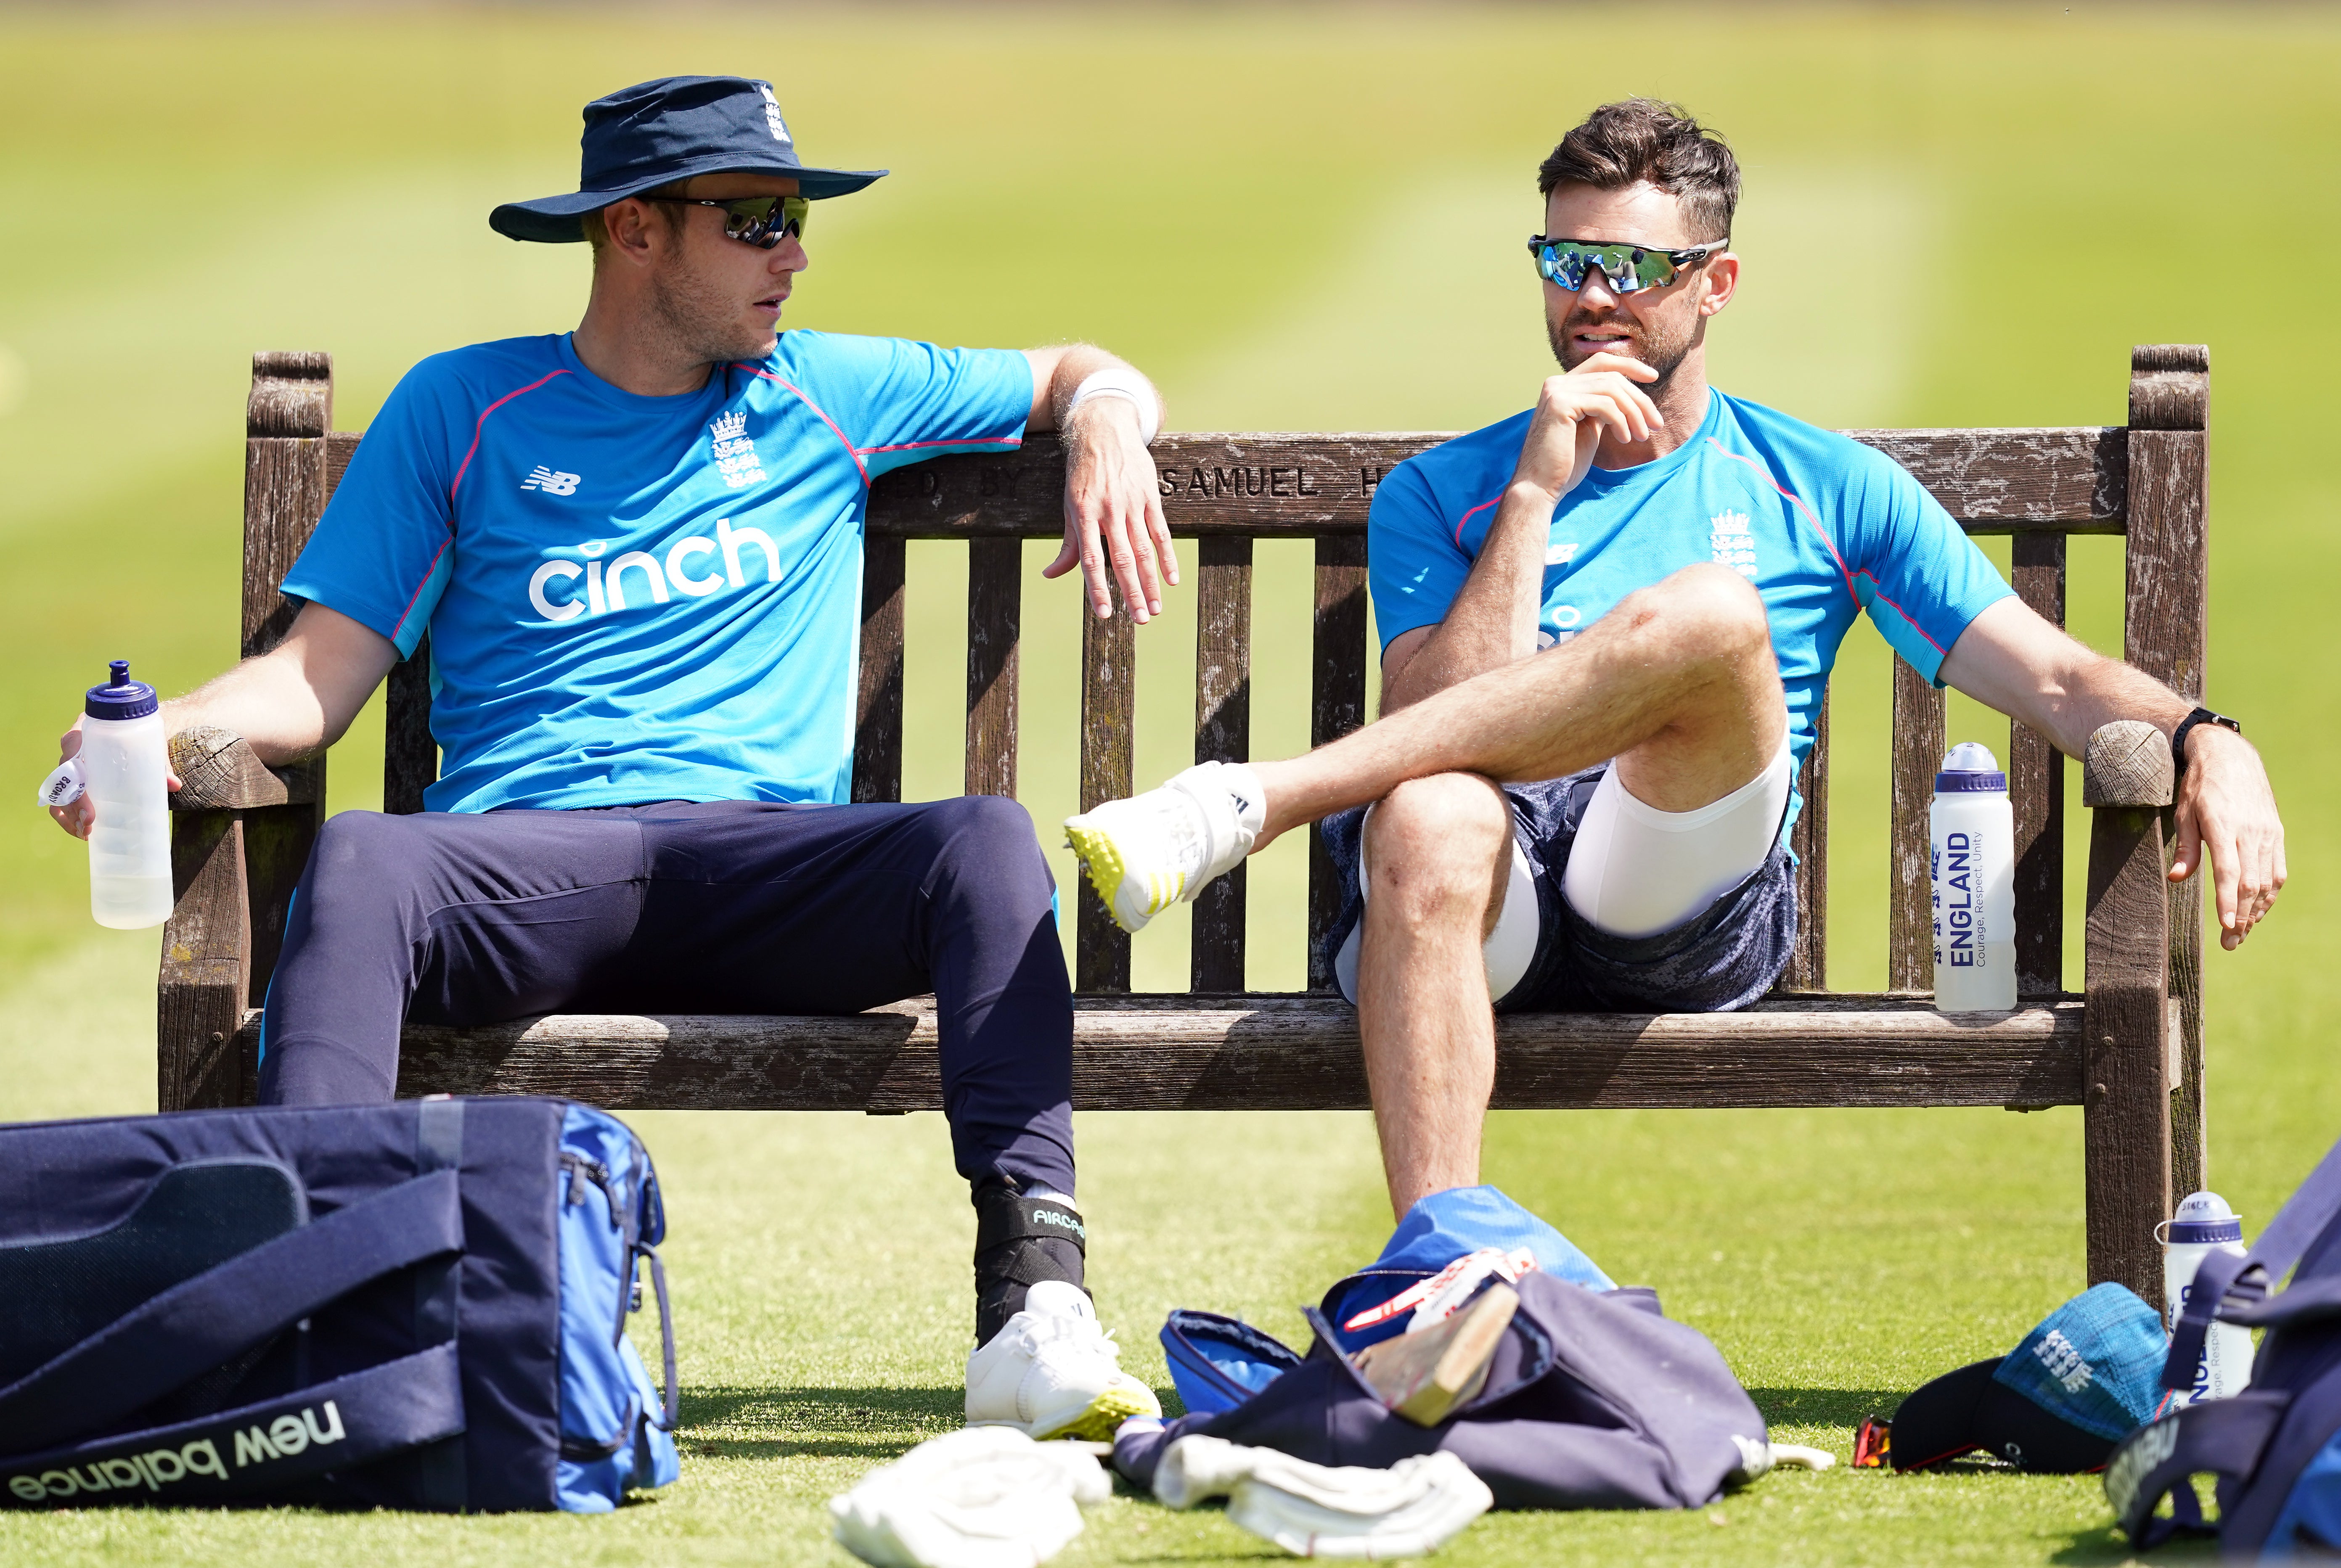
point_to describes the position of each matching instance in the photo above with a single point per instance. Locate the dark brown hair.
(1642, 139)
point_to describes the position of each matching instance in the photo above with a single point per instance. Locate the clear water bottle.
(1971, 855)
(123, 763)
(2205, 1225)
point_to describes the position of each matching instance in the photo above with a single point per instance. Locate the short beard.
(1665, 358)
(701, 319)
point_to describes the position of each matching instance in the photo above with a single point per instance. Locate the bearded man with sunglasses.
(637, 549)
(1607, 623)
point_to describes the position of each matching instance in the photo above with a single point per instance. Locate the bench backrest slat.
(1222, 734)
(1311, 486)
(1808, 967)
(2036, 788)
(2041, 485)
(878, 713)
(1336, 705)
(1108, 728)
(1917, 748)
(995, 589)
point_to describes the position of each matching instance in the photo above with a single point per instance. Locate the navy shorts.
(1724, 958)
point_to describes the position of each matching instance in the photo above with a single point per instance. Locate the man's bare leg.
(1679, 680)
(1440, 850)
(1678, 683)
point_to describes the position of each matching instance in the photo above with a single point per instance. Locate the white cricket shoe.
(1054, 1372)
(1156, 850)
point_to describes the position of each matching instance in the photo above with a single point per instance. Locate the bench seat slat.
(1293, 1051)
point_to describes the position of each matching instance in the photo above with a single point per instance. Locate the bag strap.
(2225, 1281)
(672, 1398)
(2223, 1436)
(198, 1324)
(257, 1450)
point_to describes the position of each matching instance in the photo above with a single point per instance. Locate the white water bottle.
(123, 763)
(1971, 855)
(2205, 1225)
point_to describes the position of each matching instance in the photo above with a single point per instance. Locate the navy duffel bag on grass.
(2276, 1447)
(411, 1306)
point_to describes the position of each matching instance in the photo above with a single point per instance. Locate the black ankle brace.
(1021, 1241)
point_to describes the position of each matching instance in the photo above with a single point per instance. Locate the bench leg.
(2126, 1114)
(207, 944)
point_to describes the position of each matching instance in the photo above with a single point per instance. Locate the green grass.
(1303, 219)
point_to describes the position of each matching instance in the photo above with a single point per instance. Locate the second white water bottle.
(2203, 1226)
(124, 762)
(1971, 854)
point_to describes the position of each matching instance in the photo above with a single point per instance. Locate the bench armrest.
(218, 772)
(2129, 764)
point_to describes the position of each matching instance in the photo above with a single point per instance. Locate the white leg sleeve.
(1636, 870)
(1507, 953)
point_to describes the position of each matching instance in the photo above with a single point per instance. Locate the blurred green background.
(1293, 218)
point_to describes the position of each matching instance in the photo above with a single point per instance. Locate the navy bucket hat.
(655, 133)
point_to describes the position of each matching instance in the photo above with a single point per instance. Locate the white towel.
(1320, 1511)
(985, 1497)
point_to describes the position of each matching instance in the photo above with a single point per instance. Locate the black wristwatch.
(2178, 736)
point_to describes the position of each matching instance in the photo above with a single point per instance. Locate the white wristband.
(1120, 380)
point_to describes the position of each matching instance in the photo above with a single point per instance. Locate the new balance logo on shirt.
(550, 480)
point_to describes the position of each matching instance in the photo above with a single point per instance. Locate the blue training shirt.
(1821, 524)
(637, 599)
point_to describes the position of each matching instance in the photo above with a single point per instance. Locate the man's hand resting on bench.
(2011, 658)
(1114, 527)
(291, 702)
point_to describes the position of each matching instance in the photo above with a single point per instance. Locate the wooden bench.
(2128, 1048)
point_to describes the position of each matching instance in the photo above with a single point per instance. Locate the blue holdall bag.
(2275, 1448)
(416, 1305)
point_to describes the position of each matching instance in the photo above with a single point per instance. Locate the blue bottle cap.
(2204, 1217)
(1970, 769)
(120, 697)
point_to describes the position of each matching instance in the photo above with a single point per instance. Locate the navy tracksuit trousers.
(726, 906)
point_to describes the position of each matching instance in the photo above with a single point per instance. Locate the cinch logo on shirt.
(550, 482)
(655, 581)
(735, 454)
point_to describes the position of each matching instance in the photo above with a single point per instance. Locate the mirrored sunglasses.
(763, 222)
(1630, 269)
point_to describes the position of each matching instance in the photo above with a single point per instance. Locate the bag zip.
(581, 1169)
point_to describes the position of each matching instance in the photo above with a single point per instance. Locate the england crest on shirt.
(1731, 543)
(735, 454)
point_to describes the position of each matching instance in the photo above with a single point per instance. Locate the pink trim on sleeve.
(964, 441)
(430, 573)
(1827, 543)
(1907, 619)
(851, 450)
(1461, 522)
(480, 424)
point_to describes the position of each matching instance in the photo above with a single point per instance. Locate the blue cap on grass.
(2086, 1377)
(653, 133)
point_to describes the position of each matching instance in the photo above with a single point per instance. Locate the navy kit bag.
(2275, 1448)
(1595, 1398)
(411, 1306)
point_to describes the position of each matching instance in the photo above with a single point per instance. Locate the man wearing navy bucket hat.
(637, 551)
